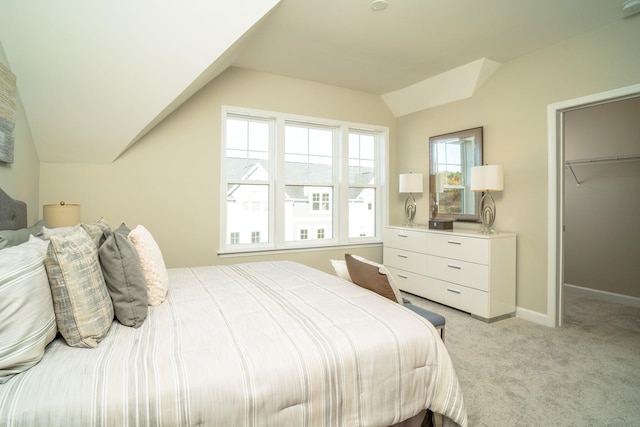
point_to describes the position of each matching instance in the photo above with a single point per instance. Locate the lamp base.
(484, 230)
(410, 209)
(487, 213)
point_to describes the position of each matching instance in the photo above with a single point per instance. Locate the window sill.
(254, 251)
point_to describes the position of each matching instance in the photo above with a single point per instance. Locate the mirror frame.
(477, 133)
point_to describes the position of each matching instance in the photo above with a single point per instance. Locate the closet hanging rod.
(626, 158)
(594, 160)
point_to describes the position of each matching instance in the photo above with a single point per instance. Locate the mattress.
(255, 344)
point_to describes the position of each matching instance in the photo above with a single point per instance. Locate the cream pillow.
(340, 267)
(153, 267)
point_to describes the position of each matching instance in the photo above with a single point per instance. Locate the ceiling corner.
(453, 85)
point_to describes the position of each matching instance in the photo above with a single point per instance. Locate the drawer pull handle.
(402, 256)
(402, 276)
(457, 267)
(455, 291)
(454, 242)
(403, 235)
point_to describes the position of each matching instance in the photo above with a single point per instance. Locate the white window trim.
(278, 245)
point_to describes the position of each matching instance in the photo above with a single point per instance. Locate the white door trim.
(555, 196)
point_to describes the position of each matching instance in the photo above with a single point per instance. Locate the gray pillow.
(82, 304)
(10, 238)
(123, 229)
(124, 278)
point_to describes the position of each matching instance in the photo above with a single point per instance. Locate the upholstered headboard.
(13, 213)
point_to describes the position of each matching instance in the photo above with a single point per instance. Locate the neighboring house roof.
(240, 169)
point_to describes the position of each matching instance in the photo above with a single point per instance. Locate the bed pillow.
(46, 233)
(95, 232)
(10, 238)
(124, 278)
(27, 319)
(83, 307)
(153, 267)
(123, 229)
(372, 276)
(103, 224)
(340, 267)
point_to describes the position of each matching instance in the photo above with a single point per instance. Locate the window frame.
(340, 182)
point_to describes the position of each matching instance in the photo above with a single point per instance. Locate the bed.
(253, 344)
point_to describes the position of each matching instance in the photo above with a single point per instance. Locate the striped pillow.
(27, 320)
(82, 304)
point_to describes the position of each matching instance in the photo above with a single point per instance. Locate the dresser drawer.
(461, 272)
(459, 247)
(409, 240)
(405, 260)
(463, 298)
(409, 282)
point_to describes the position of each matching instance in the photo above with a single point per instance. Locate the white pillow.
(340, 267)
(27, 319)
(153, 267)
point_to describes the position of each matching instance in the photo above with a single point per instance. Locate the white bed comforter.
(257, 344)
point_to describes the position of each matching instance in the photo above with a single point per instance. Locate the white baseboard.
(543, 319)
(533, 316)
(603, 295)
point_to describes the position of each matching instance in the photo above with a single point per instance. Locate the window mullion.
(341, 180)
(278, 182)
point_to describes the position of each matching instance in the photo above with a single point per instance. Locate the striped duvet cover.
(256, 344)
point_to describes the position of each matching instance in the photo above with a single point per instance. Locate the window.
(320, 202)
(234, 238)
(286, 175)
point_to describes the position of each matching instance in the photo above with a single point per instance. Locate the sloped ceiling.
(94, 76)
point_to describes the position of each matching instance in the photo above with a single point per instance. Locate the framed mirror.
(451, 157)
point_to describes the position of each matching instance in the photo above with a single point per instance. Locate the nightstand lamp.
(410, 183)
(61, 214)
(485, 179)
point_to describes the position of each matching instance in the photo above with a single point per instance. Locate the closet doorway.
(567, 160)
(601, 202)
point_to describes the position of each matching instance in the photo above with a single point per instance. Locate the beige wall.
(169, 181)
(20, 178)
(601, 215)
(512, 107)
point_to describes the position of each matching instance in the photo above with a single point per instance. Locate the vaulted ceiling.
(95, 76)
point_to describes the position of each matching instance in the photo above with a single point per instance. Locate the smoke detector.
(629, 7)
(378, 5)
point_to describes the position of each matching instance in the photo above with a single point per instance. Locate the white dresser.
(470, 271)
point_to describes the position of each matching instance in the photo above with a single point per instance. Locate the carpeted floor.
(517, 373)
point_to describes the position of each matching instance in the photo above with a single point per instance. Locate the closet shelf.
(595, 160)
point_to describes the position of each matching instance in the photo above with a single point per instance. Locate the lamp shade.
(487, 178)
(61, 214)
(410, 183)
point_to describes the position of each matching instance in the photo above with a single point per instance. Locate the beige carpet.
(518, 373)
